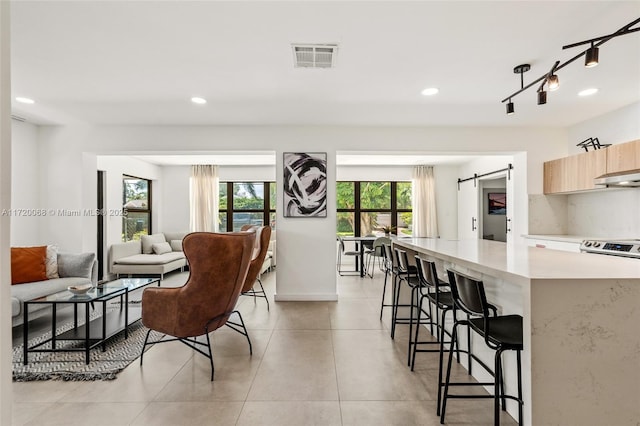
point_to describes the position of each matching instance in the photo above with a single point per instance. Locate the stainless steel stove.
(625, 248)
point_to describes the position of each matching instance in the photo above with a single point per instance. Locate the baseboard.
(306, 297)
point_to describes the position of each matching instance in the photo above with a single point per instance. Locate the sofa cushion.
(75, 264)
(176, 245)
(33, 290)
(161, 248)
(150, 259)
(149, 240)
(51, 262)
(28, 264)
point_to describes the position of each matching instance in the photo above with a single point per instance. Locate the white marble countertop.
(518, 261)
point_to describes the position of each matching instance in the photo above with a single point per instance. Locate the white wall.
(619, 126)
(25, 186)
(175, 209)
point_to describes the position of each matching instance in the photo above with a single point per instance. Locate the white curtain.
(203, 198)
(425, 223)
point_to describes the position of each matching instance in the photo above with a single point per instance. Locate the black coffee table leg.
(25, 334)
(87, 326)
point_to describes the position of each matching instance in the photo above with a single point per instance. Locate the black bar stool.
(435, 292)
(500, 333)
(407, 274)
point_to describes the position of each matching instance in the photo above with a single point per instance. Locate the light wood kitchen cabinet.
(574, 173)
(623, 157)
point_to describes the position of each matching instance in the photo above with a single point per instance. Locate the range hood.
(626, 179)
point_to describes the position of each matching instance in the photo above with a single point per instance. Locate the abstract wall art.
(305, 184)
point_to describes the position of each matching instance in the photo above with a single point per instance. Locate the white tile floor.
(314, 363)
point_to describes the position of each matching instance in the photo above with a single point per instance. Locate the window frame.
(358, 210)
(126, 210)
(266, 210)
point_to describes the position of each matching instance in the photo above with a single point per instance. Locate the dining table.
(360, 247)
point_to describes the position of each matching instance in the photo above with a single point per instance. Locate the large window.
(247, 203)
(136, 202)
(364, 208)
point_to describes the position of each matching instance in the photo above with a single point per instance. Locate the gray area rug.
(70, 366)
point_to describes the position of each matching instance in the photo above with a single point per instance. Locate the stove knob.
(596, 244)
(588, 244)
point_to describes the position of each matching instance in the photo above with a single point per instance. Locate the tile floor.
(314, 363)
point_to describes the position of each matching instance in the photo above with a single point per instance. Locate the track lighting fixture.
(510, 108)
(591, 57)
(551, 78)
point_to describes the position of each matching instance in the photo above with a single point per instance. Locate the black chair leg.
(146, 339)
(411, 305)
(416, 336)
(210, 355)
(448, 376)
(394, 303)
(498, 388)
(384, 290)
(520, 401)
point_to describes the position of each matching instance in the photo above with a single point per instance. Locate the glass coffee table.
(94, 332)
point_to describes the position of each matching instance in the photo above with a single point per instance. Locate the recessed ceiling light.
(588, 92)
(199, 101)
(430, 91)
(25, 100)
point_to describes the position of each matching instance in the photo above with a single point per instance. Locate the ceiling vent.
(314, 55)
(18, 118)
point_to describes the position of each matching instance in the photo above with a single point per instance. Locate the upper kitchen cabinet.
(623, 157)
(575, 173)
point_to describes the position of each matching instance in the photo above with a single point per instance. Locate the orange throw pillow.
(28, 264)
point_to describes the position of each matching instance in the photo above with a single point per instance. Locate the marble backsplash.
(610, 213)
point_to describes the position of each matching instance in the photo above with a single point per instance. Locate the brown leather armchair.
(263, 236)
(218, 265)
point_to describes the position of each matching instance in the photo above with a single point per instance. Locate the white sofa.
(73, 268)
(147, 255)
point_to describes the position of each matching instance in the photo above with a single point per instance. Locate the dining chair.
(351, 253)
(375, 252)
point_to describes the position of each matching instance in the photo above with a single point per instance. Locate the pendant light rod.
(622, 31)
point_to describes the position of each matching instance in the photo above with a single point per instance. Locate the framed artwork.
(497, 203)
(305, 184)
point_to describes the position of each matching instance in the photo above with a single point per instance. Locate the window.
(246, 203)
(136, 202)
(364, 207)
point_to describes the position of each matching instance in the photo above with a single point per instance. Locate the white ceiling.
(120, 62)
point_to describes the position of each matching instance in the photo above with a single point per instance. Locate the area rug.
(71, 366)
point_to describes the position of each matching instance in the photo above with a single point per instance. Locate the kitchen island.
(581, 358)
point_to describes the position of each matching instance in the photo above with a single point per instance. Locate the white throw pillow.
(176, 245)
(51, 262)
(148, 240)
(161, 248)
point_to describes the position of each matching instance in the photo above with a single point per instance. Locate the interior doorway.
(493, 204)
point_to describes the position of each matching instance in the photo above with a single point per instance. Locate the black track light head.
(542, 97)
(554, 82)
(510, 108)
(591, 57)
